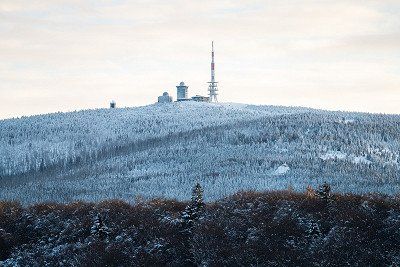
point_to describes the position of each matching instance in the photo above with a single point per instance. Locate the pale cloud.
(66, 55)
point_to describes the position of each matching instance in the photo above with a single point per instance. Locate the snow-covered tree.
(313, 230)
(197, 199)
(161, 150)
(99, 229)
(324, 192)
(193, 211)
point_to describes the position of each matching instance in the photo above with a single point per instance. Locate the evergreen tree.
(197, 200)
(190, 216)
(99, 229)
(193, 211)
(324, 192)
(313, 230)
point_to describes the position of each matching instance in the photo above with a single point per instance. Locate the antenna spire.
(212, 87)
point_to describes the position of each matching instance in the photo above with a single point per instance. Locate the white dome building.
(165, 98)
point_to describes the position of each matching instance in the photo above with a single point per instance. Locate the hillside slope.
(247, 229)
(161, 150)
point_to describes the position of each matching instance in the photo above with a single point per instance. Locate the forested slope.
(247, 229)
(161, 150)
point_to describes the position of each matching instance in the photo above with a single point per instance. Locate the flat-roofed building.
(200, 98)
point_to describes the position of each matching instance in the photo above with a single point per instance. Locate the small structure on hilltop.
(182, 95)
(213, 85)
(182, 92)
(165, 98)
(200, 98)
(182, 88)
(113, 104)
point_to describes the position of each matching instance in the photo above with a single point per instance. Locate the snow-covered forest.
(247, 229)
(161, 150)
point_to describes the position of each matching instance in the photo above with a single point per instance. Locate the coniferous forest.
(161, 150)
(119, 145)
(178, 185)
(281, 228)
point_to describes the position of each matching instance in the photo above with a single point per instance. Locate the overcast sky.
(71, 55)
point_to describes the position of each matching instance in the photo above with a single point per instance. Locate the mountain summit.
(161, 150)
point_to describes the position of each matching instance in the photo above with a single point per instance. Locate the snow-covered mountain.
(161, 150)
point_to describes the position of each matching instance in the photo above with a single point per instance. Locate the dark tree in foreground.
(99, 229)
(197, 199)
(193, 211)
(190, 217)
(324, 192)
(4, 248)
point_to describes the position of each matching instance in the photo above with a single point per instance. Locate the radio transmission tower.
(212, 87)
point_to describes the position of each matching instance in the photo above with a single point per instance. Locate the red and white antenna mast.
(212, 87)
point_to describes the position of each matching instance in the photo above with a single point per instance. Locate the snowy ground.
(162, 150)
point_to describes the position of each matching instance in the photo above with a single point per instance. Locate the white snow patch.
(346, 121)
(281, 170)
(333, 155)
(361, 159)
(343, 156)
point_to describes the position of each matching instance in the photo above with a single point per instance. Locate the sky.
(60, 55)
